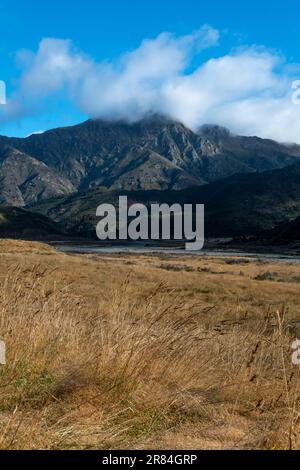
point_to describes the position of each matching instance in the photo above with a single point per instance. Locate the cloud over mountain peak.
(248, 90)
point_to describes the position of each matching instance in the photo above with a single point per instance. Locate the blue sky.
(104, 31)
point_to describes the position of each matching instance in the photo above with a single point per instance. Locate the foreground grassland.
(111, 351)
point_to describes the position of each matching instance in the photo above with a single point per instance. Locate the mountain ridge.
(155, 153)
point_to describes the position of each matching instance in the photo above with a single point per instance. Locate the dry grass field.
(124, 351)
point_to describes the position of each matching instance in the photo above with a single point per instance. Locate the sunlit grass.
(102, 353)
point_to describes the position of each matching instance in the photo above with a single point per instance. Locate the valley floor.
(144, 351)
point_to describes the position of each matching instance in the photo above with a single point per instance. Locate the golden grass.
(107, 352)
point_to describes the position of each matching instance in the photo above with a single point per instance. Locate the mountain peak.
(213, 131)
(154, 153)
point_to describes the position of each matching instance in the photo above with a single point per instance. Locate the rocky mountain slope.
(153, 154)
(25, 180)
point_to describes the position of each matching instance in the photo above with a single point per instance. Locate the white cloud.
(36, 133)
(247, 90)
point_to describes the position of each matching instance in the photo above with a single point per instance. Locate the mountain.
(243, 204)
(19, 223)
(153, 154)
(25, 180)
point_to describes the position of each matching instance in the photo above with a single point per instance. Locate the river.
(142, 248)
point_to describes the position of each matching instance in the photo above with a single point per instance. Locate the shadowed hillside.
(19, 223)
(239, 205)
